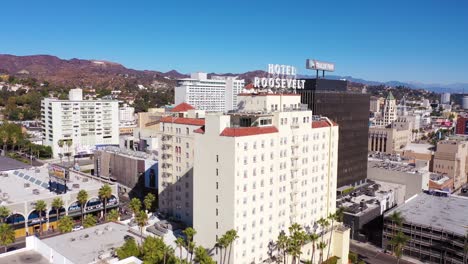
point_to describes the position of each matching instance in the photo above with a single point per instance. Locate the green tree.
(297, 238)
(128, 249)
(202, 256)
(313, 238)
(7, 235)
(4, 137)
(148, 201)
(40, 208)
(105, 193)
(398, 242)
(65, 224)
(141, 219)
(332, 217)
(154, 250)
(323, 224)
(82, 198)
(69, 144)
(4, 213)
(282, 245)
(397, 221)
(221, 243)
(135, 205)
(353, 258)
(190, 233)
(113, 215)
(61, 144)
(231, 237)
(321, 246)
(180, 243)
(89, 221)
(57, 204)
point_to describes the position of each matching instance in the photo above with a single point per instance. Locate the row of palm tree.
(61, 143)
(298, 237)
(225, 242)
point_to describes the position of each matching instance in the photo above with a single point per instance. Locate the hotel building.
(81, 123)
(218, 94)
(262, 168)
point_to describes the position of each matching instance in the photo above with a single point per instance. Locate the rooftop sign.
(280, 77)
(320, 65)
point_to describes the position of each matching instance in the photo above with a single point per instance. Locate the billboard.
(320, 65)
(58, 172)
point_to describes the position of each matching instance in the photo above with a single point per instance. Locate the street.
(373, 255)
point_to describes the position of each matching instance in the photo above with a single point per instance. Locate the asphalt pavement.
(374, 255)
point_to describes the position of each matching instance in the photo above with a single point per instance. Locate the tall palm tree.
(222, 243)
(397, 220)
(135, 205)
(298, 238)
(313, 238)
(190, 233)
(105, 193)
(141, 219)
(332, 217)
(82, 198)
(69, 144)
(399, 241)
(282, 244)
(7, 235)
(180, 243)
(323, 224)
(4, 213)
(148, 201)
(60, 143)
(40, 207)
(321, 246)
(232, 236)
(57, 204)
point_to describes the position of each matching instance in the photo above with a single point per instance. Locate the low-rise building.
(450, 159)
(388, 140)
(435, 226)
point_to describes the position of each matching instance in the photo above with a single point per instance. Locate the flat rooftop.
(18, 185)
(85, 246)
(23, 256)
(419, 148)
(447, 213)
(7, 164)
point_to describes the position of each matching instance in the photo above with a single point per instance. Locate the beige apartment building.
(259, 170)
(388, 140)
(176, 144)
(450, 159)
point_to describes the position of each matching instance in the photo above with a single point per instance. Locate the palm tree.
(202, 256)
(135, 205)
(180, 243)
(313, 237)
(65, 224)
(57, 204)
(69, 144)
(113, 215)
(397, 220)
(399, 241)
(190, 233)
(4, 213)
(332, 217)
(222, 243)
(321, 246)
(141, 219)
(7, 235)
(340, 214)
(297, 240)
(167, 251)
(324, 224)
(282, 244)
(105, 193)
(89, 221)
(82, 198)
(60, 144)
(232, 236)
(40, 207)
(148, 201)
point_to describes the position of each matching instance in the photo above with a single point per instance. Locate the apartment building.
(450, 159)
(218, 94)
(76, 126)
(262, 168)
(176, 141)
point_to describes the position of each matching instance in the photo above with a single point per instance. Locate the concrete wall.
(34, 243)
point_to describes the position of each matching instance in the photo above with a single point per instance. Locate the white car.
(77, 227)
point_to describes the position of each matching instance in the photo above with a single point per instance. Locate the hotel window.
(217, 171)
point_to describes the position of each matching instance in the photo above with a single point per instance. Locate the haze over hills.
(105, 74)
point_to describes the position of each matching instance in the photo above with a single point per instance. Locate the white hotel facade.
(218, 94)
(261, 169)
(86, 123)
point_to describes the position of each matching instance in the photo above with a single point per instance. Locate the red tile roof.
(200, 130)
(247, 131)
(322, 123)
(183, 121)
(183, 107)
(249, 86)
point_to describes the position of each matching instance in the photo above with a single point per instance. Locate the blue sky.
(411, 40)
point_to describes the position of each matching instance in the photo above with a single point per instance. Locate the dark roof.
(7, 164)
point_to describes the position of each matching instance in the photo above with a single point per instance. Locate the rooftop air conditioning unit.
(27, 185)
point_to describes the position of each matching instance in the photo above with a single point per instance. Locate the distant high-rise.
(218, 94)
(330, 98)
(445, 98)
(389, 112)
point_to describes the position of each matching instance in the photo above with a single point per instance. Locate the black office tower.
(350, 110)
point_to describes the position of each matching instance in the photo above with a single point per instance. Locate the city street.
(374, 255)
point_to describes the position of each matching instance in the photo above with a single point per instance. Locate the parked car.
(77, 227)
